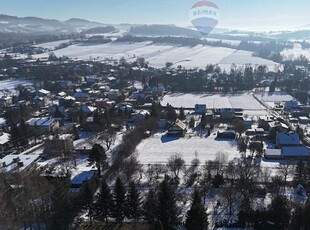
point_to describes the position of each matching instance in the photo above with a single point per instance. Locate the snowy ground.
(243, 101)
(158, 149)
(295, 52)
(213, 101)
(158, 54)
(87, 140)
(7, 87)
(274, 97)
(52, 45)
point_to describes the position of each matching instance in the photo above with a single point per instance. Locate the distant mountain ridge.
(35, 25)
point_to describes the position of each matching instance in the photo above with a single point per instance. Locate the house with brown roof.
(178, 128)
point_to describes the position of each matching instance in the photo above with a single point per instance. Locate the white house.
(43, 93)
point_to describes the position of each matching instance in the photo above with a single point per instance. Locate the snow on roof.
(62, 94)
(4, 138)
(43, 91)
(273, 152)
(10, 162)
(48, 122)
(82, 177)
(288, 139)
(40, 121)
(69, 98)
(144, 112)
(267, 118)
(111, 78)
(295, 151)
(180, 124)
(88, 109)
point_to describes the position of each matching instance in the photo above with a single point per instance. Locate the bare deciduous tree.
(285, 170)
(230, 196)
(109, 139)
(265, 175)
(130, 167)
(176, 164)
(160, 169)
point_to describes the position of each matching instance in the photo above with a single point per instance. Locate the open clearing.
(159, 148)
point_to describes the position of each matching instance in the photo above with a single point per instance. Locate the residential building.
(287, 140)
(178, 128)
(59, 146)
(200, 109)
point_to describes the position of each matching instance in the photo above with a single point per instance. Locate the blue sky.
(241, 14)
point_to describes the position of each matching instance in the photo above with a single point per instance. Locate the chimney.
(16, 160)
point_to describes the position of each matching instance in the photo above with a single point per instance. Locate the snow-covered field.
(295, 52)
(158, 54)
(158, 149)
(274, 97)
(7, 87)
(52, 45)
(243, 101)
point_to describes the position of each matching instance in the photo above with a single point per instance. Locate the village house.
(41, 101)
(53, 110)
(263, 122)
(178, 128)
(229, 134)
(4, 141)
(287, 140)
(59, 146)
(140, 115)
(13, 163)
(255, 132)
(290, 105)
(44, 123)
(78, 180)
(288, 153)
(125, 108)
(6, 102)
(43, 93)
(227, 113)
(81, 96)
(88, 110)
(113, 94)
(200, 109)
(138, 95)
(155, 91)
(303, 120)
(67, 101)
